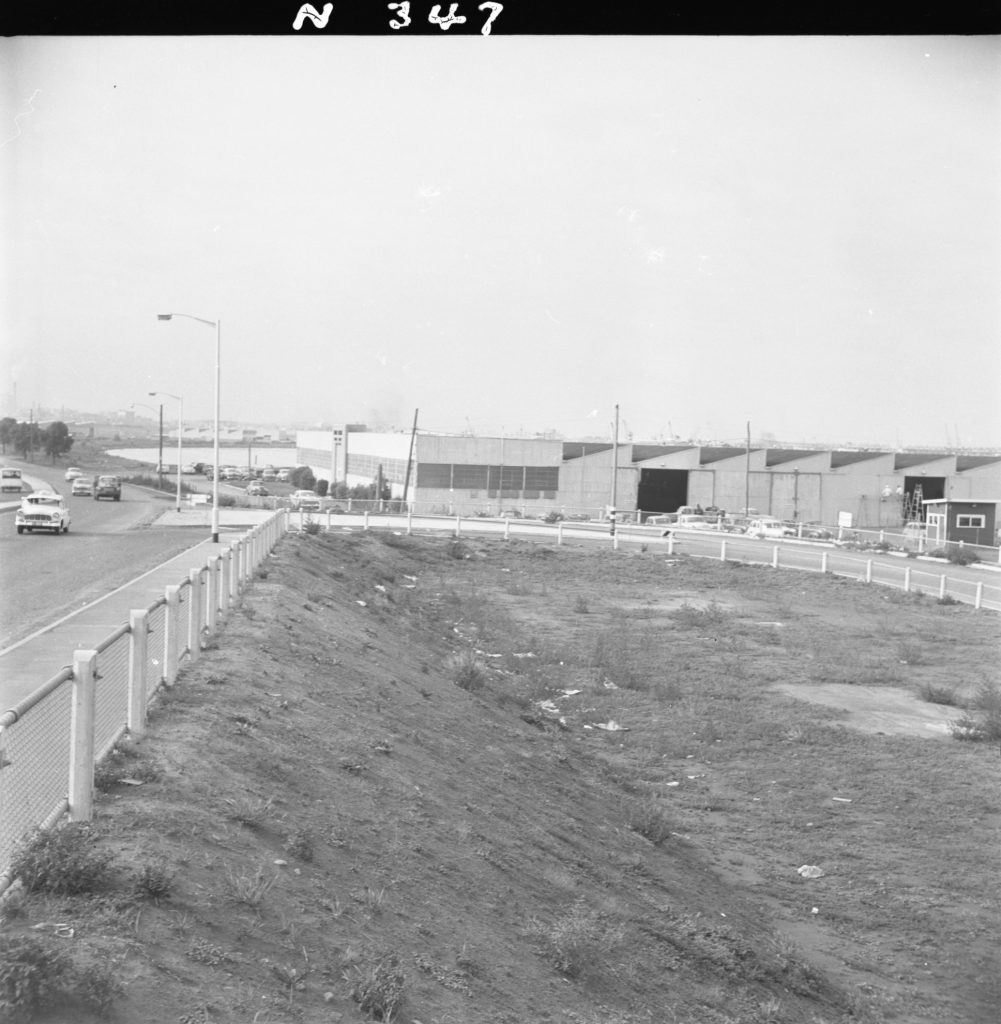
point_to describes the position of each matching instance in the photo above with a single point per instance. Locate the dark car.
(108, 487)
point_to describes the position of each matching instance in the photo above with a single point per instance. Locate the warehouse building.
(462, 474)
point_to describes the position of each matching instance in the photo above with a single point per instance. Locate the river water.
(228, 455)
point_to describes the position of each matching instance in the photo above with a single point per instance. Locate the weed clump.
(650, 820)
(580, 941)
(466, 671)
(154, 881)
(982, 719)
(35, 977)
(378, 988)
(61, 861)
(935, 693)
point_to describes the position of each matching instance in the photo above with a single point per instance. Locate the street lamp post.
(217, 324)
(180, 433)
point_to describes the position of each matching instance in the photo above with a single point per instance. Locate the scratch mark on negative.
(17, 118)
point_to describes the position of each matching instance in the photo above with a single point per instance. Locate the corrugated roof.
(776, 456)
(973, 461)
(578, 449)
(641, 452)
(905, 460)
(839, 459)
(714, 454)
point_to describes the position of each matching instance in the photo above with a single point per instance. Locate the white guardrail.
(51, 740)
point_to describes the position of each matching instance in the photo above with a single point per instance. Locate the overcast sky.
(512, 234)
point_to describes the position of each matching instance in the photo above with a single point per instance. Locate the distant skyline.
(512, 234)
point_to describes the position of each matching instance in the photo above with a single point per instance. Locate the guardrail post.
(722, 550)
(84, 698)
(458, 526)
(410, 521)
(868, 571)
(366, 519)
(559, 532)
(138, 629)
(979, 596)
(212, 594)
(507, 529)
(171, 633)
(196, 615)
(823, 562)
(775, 556)
(907, 579)
(941, 587)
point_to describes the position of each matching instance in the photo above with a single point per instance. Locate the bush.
(302, 478)
(32, 976)
(982, 720)
(61, 860)
(321, 487)
(650, 819)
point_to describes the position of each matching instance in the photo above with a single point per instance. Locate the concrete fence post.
(881, 536)
(366, 519)
(775, 556)
(907, 579)
(615, 541)
(84, 700)
(212, 594)
(507, 529)
(171, 634)
(458, 526)
(559, 532)
(670, 543)
(196, 615)
(978, 599)
(138, 644)
(941, 587)
(868, 571)
(823, 562)
(224, 580)
(722, 550)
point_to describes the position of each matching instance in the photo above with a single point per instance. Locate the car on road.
(10, 479)
(766, 527)
(256, 490)
(304, 501)
(690, 522)
(73, 472)
(83, 486)
(43, 510)
(189, 469)
(282, 475)
(108, 487)
(269, 474)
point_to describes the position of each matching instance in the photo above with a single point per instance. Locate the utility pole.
(410, 458)
(747, 473)
(615, 467)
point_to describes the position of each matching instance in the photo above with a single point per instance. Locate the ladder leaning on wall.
(913, 508)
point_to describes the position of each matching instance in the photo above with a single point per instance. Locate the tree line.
(54, 439)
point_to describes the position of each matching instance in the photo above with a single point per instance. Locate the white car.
(304, 501)
(43, 510)
(766, 528)
(82, 485)
(73, 472)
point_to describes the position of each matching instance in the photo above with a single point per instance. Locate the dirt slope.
(376, 796)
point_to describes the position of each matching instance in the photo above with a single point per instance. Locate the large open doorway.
(662, 490)
(921, 488)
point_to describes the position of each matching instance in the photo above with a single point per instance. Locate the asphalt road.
(45, 576)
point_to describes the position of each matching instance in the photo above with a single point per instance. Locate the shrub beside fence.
(51, 740)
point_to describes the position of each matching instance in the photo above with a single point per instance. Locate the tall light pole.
(180, 432)
(159, 458)
(217, 324)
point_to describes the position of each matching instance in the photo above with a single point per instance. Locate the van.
(10, 479)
